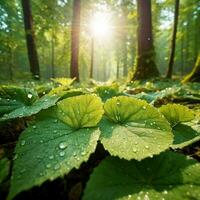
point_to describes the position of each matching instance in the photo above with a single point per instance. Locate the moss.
(145, 67)
(194, 76)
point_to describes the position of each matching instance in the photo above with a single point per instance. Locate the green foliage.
(184, 133)
(13, 97)
(53, 146)
(81, 111)
(106, 92)
(134, 129)
(68, 123)
(26, 111)
(166, 176)
(176, 114)
(5, 167)
(63, 81)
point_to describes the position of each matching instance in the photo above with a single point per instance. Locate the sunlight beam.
(100, 25)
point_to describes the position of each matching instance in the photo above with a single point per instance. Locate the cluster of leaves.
(138, 136)
(161, 92)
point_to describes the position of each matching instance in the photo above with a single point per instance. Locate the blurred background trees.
(115, 49)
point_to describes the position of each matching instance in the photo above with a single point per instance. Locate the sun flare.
(100, 25)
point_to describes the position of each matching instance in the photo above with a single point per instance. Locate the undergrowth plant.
(142, 141)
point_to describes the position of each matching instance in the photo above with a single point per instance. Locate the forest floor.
(71, 186)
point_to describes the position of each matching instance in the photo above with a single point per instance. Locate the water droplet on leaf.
(23, 142)
(63, 145)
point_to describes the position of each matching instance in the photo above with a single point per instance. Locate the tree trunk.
(187, 42)
(75, 34)
(194, 76)
(118, 62)
(145, 64)
(53, 54)
(173, 44)
(125, 59)
(92, 58)
(30, 39)
(182, 53)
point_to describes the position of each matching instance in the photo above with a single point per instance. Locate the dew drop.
(146, 197)
(30, 95)
(74, 154)
(62, 153)
(135, 150)
(51, 157)
(83, 153)
(63, 145)
(15, 157)
(23, 142)
(147, 147)
(129, 196)
(48, 166)
(34, 127)
(118, 103)
(56, 167)
(165, 192)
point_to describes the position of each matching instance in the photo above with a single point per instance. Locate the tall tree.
(53, 54)
(92, 58)
(145, 64)
(30, 39)
(173, 42)
(75, 37)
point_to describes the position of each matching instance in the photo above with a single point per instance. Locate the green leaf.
(26, 111)
(176, 113)
(184, 135)
(51, 148)
(12, 97)
(47, 150)
(81, 111)
(166, 176)
(153, 97)
(4, 166)
(106, 92)
(133, 129)
(63, 81)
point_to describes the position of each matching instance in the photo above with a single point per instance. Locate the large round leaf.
(165, 177)
(28, 110)
(81, 111)
(13, 97)
(176, 113)
(184, 133)
(134, 129)
(51, 148)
